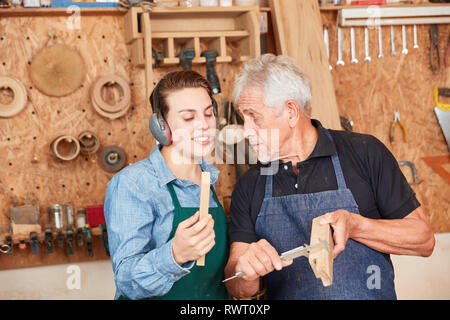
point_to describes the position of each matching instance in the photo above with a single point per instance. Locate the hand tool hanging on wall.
(34, 242)
(352, 44)
(158, 57)
(104, 237)
(186, 56)
(416, 180)
(112, 158)
(339, 61)
(327, 43)
(69, 230)
(90, 250)
(394, 123)
(57, 69)
(366, 45)
(211, 75)
(346, 123)
(4, 248)
(434, 46)
(394, 53)
(9, 242)
(442, 112)
(416, 45)
(48, 239)
(405, 49)
(81, 222)
(380, 43)
(19, 97)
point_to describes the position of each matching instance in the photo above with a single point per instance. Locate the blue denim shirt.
(139, 215)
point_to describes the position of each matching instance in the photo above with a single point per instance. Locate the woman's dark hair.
(177, 80)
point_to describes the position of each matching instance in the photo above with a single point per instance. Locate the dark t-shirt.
(370, 171)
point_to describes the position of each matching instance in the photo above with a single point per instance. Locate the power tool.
(211, 74)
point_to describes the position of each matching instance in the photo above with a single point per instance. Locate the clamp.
(104, 237)
(396, 120)
(34, 242)
(70, 241)
(417, 180)
(7, 247)
(434, 46)
(89, 241)
(48, 239)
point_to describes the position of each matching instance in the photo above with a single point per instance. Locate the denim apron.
(202, 283)
(359, 271)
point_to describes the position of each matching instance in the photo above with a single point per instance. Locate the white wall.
(416, 278)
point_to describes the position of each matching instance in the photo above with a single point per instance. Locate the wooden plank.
(320, 259)
(146, 27)
(301, 25)
(205, 186)
(277, 24)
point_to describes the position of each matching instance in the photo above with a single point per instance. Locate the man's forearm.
(410, 235)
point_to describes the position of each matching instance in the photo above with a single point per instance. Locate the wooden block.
(204, 203)
(145, 19)
(320, 259)
(298, 31)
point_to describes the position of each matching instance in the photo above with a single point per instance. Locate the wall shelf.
(34, 12)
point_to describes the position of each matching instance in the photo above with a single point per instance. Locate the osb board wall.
(100, 41)
(368, 93)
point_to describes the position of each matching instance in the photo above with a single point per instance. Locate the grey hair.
(279, 77)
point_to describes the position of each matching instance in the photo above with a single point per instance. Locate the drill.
(211, 74)
(186, 56)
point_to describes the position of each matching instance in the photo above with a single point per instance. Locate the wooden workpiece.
(321, 259)
(205, 187)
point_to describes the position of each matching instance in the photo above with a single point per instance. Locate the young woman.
(151, 207)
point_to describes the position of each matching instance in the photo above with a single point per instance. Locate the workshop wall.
(368, 93)
(100, 41)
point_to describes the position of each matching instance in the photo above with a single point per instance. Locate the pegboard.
(27, 136)
(369, 92)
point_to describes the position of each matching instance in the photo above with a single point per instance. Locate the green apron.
(202, 283)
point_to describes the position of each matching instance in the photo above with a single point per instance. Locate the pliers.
(434, 45)
(396, 120)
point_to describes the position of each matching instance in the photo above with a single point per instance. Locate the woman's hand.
(193, 238)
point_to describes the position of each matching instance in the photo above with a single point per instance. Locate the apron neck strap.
(176, 202)
(173, 195)
(337, 166)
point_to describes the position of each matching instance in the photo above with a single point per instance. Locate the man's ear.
(294, 112)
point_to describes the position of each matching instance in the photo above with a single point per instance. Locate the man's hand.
(342, 222)
(259, 259)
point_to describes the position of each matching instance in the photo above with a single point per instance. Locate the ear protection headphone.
(158, 125)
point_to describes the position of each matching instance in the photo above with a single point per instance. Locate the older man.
(351, 180)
